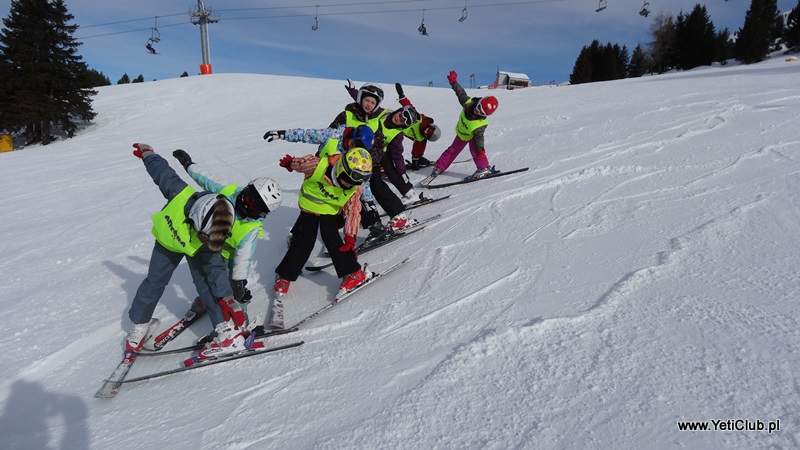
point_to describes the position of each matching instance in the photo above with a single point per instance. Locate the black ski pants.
(304, 236)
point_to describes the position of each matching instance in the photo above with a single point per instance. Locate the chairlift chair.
(602, 5)
(422, 29)
(464, 13)
(315, 26)
(645, 11)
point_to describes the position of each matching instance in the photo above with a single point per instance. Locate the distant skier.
(195, 225)
(329, 193)
(470, 128)
(251, 203)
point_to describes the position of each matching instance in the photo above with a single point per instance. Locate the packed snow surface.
(643, 272)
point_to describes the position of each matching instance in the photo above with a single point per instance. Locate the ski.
(209, 362)
(341, 297)
(259, 331)
(173, 331)
(111, 385)
(422, 202)
(469, 179)
(380, 242)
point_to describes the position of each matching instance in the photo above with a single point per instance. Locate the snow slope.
(644, 271)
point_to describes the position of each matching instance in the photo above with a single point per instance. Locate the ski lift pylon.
(464, 13)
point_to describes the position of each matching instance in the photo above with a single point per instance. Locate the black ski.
(424, 201)
(209, 362)
(391, 237)
(342, 297)
(470, 179)
(260, 333)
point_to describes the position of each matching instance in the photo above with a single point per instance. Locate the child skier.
(421, 133)
(251, 203)
(470, 128)
(331, 189)
(192, 224)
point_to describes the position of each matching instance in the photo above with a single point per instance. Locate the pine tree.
(44, 70)
(92, 78)
(663, 47)
(791, 33)
(138, 79)
(639, 64)
(184, 74)
(758, 32)
(723, 47)
(124, 80)
(582, 70)
(695, 39)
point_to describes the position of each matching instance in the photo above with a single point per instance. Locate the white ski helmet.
(269, 191)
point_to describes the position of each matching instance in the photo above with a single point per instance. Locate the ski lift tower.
(203, 17)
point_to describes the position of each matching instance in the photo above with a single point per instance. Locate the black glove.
(271, 135)
(183, 158)
(399, 89)
(240, 291)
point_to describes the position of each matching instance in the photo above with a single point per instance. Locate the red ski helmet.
(486, 106)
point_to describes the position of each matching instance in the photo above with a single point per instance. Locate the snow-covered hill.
(644, 271)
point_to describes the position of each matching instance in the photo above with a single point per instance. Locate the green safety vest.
(388, 133)
(352, 121)
(240, 228)
(415, 131)
(320, 196)
(172, 229)
(465, 128)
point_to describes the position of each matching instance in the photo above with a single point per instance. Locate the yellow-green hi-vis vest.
(318, 195)
(415, 131)
(465, 128)
(240, 228)
(172, 230)
(351, 121)
(388, 133)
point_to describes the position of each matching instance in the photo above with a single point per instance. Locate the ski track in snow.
(643, 271)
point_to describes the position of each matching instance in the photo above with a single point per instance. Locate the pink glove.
(142, 150)
(286, 162)
(349, 244)
(452, 77)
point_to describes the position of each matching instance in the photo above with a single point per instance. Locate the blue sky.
(541, 38)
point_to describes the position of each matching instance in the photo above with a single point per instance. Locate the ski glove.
(349, 86)
(232, 311)
(399, 88)
(349, 244)
(183, 158)
(142, 150)
(240, 291)
(286, 162)
(271, 135)
(452, 77)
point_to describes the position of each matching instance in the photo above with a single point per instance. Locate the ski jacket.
(468, 115)
(240, 247)
(308, 165)
(171, 227)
